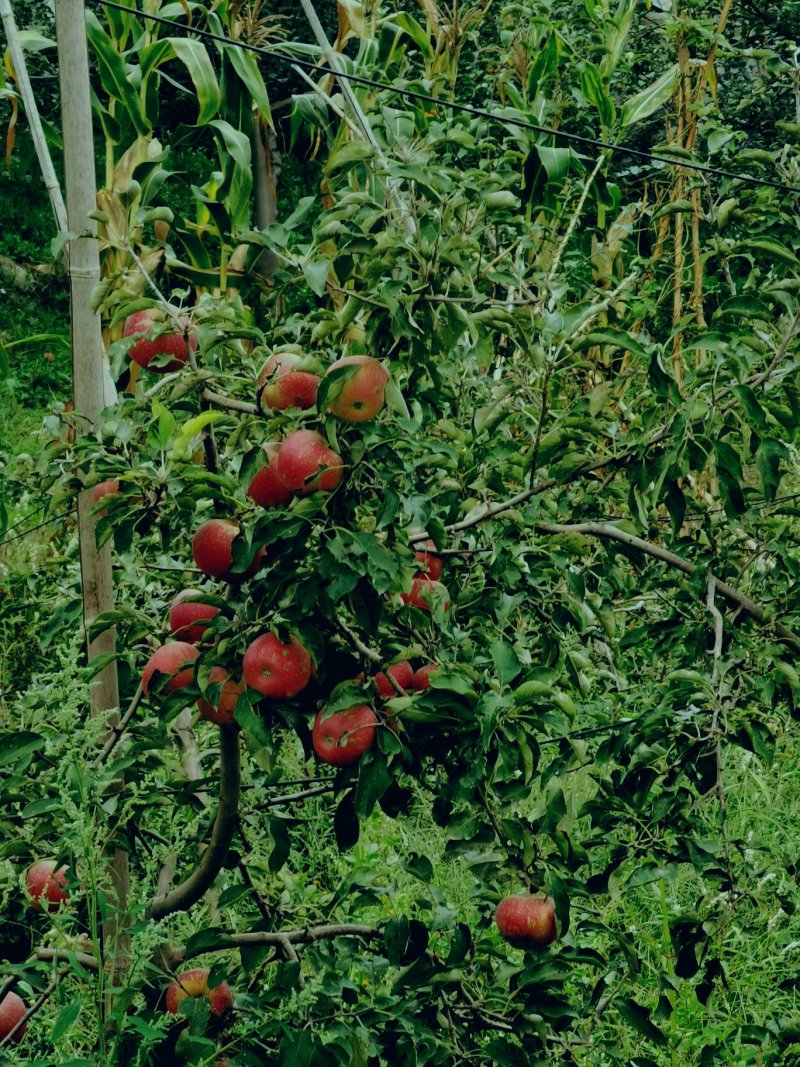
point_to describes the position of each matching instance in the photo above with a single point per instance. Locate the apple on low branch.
(12, 1009)
(229, 693)
(266, 489)
(423, 591)
(174, 659)
(194, 983)
(46, 884)
(150, 345)
(306, 464)
(189, 617)
(342, 738)
(402, 673)
(527, 920)
(361, 396)
(276, 669)
(287, 384)
(212, 551)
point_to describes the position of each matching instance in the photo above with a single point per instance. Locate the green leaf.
(373, 781)
(643, 104)
(246, 66)
(14, 745)
(772, 249)
(192, 53)
(115, 75)
(595, 92)
(65, 1020)
(768, 461)
(506, 663)
(316, 274)
(639, 1019)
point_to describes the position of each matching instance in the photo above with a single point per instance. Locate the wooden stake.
(87, 367)
(32, 112)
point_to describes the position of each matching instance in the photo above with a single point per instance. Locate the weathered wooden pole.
(87, 363)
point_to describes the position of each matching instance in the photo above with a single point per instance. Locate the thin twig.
(37, 1004)
(118, 730)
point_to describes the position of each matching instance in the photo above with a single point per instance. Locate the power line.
(467, 109)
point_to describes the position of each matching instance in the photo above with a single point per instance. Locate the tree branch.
(225, 823)
(735, 596)
(118, 729)
(229, 403)
(281, 938)
(37, 1004)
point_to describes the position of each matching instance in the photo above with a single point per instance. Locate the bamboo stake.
(31, 110)
(88, 380)
(333, 60)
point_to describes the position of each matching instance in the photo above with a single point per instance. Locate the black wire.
(39, 526)
(467, 109)
(25, 518)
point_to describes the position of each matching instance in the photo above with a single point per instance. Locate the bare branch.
(68, 954)
(358, 644)
(225, 823)
(229, 403)
(118, 729)
(304, 936)
(735, 596)
(290, 798)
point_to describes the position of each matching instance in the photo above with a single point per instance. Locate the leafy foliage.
(593, 414)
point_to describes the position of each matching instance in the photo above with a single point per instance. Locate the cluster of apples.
(425, 583)
(287, 381)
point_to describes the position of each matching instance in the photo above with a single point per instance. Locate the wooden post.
(87, 366)
(26, 92)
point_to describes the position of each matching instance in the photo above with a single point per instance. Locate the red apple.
(222, 714)
(12, 1009)
(306, 464)
(189, 617)
(402, 673)
(194, 983)
(266, 488)
(43, 881)
(345, 736)
(213, 553)
(362, 395)
(285, 386)
(422, 677)
(175, 658)
(110, 487)
(431, 563)
(527, 920)
(170, 343)
(422, 593)
(276, 670)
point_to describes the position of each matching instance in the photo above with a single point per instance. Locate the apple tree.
(450, 572)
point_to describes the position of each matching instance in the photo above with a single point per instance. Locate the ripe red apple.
(306, 464)
(285, 386)
(189, 617)
(527, 920)
(194, 983)
(12, 1009)
(422, 677)
(110, 487)
(362, 395)
(213, 553)
(431, 563)
(422, 592)
(345, 736)
(275, 669)
(222, 714)
(170, 343)
(44, 882)
(175, 658)
(266, 488)
(402, 673)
